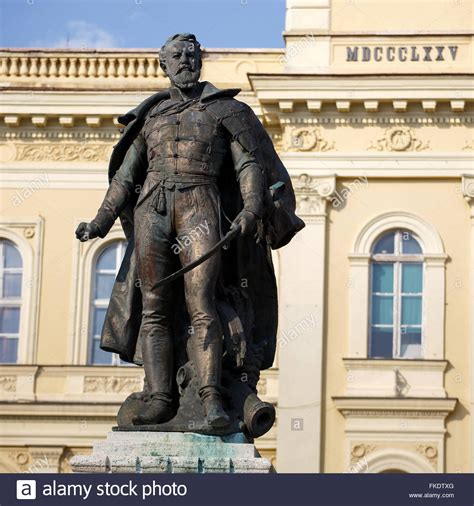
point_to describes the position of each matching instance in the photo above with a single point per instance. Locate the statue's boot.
(157, 411)
(215, 414)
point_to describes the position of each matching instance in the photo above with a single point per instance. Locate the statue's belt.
(233, 232)
(169, 181)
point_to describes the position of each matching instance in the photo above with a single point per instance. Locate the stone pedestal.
(171, 452)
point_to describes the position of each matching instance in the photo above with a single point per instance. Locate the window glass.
(12, 257)
(8, 350)
(385, 244)
(410, 343)
(106, 269)
(382, 310)
(382, 278)
(410, 245)
(103, 285)
(412, 277)
(381, 343)
(411, 310)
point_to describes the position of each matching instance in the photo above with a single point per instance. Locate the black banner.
(237, 490)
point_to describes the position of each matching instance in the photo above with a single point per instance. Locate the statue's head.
(180, 59)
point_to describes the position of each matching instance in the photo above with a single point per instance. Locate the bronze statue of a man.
(189, 158)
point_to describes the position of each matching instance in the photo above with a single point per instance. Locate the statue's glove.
(247, 221)
(86, 231)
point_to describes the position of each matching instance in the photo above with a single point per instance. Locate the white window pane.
(381, 343)
(9, 320)
(385, 244)
(410, 343)
(8, 350)
(107, 259)
(103, 285)
(11, 284)
(12, 257)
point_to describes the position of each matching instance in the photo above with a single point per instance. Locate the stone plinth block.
(171, 452)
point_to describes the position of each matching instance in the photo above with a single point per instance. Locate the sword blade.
(227, 238)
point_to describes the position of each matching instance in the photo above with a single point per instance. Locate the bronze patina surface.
(194, 163)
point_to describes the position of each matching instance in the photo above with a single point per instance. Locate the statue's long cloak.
(246, 265)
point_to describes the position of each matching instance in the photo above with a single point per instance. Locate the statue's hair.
(184, 37)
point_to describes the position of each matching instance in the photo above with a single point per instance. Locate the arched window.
(396, 298)
(104, 273)
(11, 273)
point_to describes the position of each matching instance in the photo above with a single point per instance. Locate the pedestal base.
(171, 452)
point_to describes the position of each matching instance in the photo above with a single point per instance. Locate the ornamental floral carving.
(7, 383)
(64, 152)
(307, 138)
(430, 452)
(360, 450)
(399, 138)
(20, 458)
(110, 384)
(467, 187)
(468, 145)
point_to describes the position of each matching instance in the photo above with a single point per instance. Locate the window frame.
(27, 235)
(434, 282)
(397, 259)
(103, 303)
(11, 302)
(84, 258)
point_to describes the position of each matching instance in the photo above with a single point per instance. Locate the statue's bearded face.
(183, 63)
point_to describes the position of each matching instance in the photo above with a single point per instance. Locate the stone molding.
(27, 235)
(395, 378)
(417, 407)
(313, 193)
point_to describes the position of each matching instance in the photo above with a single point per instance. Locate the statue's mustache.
(182, 69)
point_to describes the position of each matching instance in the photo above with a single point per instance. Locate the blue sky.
(91, 24)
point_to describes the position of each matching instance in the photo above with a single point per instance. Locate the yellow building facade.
(370, 107)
